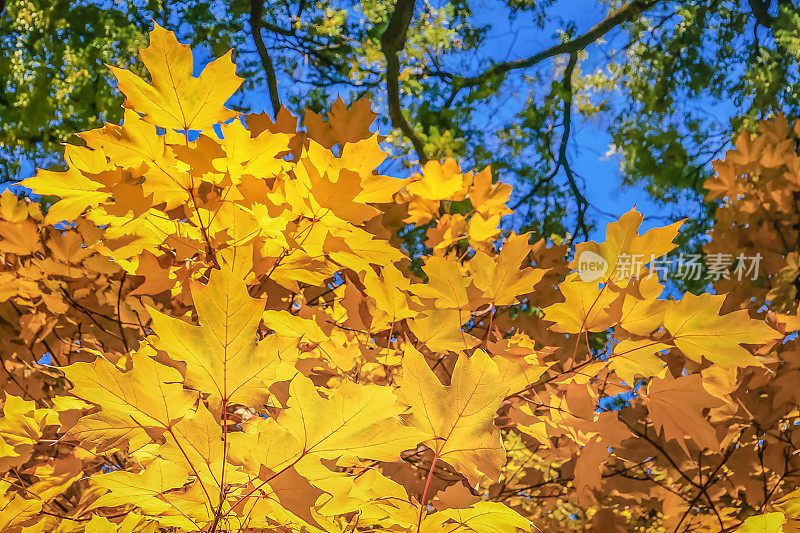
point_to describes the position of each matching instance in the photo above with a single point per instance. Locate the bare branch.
(562, 162)
(616, 17)
(760, 10)
(393, 41)
(256, 25)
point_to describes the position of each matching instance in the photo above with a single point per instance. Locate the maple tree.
(219, 328)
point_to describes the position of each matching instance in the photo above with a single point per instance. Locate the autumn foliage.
(221, 326)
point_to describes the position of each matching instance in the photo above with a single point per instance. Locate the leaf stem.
(425, 491)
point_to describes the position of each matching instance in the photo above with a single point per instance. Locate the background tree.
(228, 337)
(671, 81)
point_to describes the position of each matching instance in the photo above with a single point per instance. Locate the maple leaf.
(633, 358)
(586, 307)
(20, 239)
(449, 230)
(458, 417)
(15, 510)
(357, 249)
(11, 208)
(643, 312)
(75, 190)
(150, 393)
(481, 517)
(764, 523)
(624, 242)
(354, 421)
(244, 154)
(132, 523)
(56, 477)
(489, 198)
(483, 231)
(420, 210)
(588, 477)
(439, 181)
(388, 293)
(174, 99)
(20, 428)
(676, 407)
(447, 285)
(501, 277)
(144, 489)
(440, 330)
(135, 146)
(319, 195)
(222, 355)
(359, 421)
(699, 331)
(344, 125)
(292, 326)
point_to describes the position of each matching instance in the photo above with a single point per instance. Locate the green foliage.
(53, 82)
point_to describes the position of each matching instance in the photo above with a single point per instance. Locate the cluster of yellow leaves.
(269, 361)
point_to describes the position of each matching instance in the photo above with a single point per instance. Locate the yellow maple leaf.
(483, 231)
(440, 330)
(20, 428)
(174, 99)
(459, 417)
(439, 181)
(500, 277)
(643, 312)
(388, 293)
(698, 330)
(447, 285)
(135, 146)
(150, 394)
(75, 189)
(586, 307)
(633, 358)
(489, 198)
(764, 523)
(15, 509)
(144, 489)
(480, 517)
(222, 356)
(12, 209)
(624, 251)
(354, 421)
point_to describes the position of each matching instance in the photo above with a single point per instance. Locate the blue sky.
(590, 143)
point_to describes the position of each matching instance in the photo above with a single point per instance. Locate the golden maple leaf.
(458, 417)
(174, 99)
(698, 330)
(222, 356)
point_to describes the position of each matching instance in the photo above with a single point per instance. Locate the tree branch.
(624, 14)
(562, 162)
(760, 10)
(256, 24)
(393, 41)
